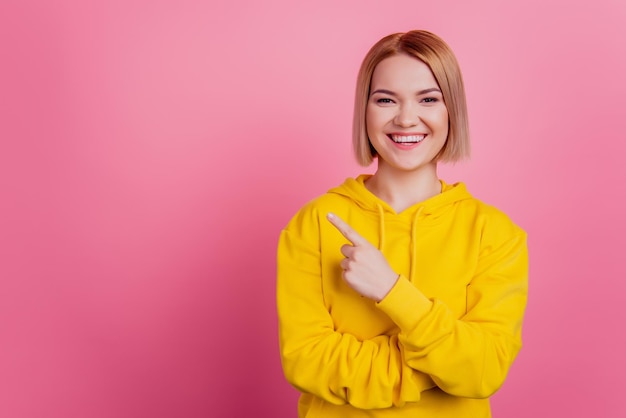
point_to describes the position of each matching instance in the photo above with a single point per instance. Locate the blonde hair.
(437, 55)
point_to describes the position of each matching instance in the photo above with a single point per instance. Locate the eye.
(430, 100)
(384, 100)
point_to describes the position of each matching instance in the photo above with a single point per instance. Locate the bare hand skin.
(365, 268)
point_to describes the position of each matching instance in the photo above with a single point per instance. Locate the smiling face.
(406, 117)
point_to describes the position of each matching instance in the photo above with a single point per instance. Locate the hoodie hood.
(355, 190)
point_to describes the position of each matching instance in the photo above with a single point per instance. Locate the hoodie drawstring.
(413, 237)
(413, 240)
(381, 226)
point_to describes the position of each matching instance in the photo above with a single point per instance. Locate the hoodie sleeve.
(470, 356)
(316, 359)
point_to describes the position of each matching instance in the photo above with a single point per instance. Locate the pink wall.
(151, 151)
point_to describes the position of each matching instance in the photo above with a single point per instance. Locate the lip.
(409, 144)
(406, 133)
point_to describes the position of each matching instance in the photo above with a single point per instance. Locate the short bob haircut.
(437, 55)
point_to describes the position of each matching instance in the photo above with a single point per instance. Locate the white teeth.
(407, 138)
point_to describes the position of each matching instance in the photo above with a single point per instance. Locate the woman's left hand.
(365, 268)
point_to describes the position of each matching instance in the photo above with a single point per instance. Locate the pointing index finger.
(346, 230)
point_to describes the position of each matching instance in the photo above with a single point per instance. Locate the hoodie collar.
(355, 190)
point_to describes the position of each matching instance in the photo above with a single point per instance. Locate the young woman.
(400, 295)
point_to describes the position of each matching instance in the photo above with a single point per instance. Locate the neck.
(403, 189)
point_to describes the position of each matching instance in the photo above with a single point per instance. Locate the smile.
(407, 139)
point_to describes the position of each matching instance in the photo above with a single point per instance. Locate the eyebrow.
(419, 93)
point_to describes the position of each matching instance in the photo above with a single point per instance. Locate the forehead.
(402, 72)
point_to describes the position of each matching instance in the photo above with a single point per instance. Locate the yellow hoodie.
(443, 339)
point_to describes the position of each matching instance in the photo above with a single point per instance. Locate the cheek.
(370, 121)
(374, 118)
(444, 121)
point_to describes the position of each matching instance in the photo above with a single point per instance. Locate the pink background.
(151, 151)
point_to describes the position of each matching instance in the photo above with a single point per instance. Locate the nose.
(407, 116)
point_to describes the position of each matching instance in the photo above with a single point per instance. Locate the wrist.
(392, 281)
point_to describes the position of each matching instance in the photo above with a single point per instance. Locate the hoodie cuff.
(405, 304)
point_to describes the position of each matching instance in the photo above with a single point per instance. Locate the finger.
(346, 230)
(344, 264)
(347, 250)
